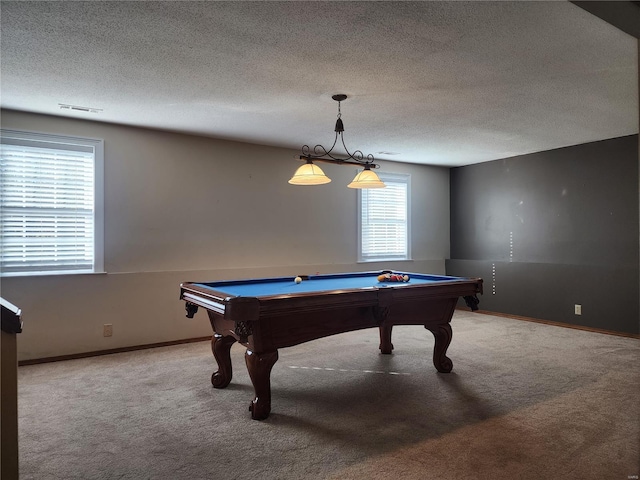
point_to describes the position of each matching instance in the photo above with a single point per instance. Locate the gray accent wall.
(551, 230)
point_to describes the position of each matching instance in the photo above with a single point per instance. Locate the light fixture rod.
(322, 154)
(338, 161)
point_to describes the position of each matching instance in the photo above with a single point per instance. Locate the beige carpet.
(524, 401)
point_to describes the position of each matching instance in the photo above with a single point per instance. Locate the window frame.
(387, 178)
(98, 194)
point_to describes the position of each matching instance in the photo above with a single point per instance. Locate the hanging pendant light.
(367, 179)
(311, 174)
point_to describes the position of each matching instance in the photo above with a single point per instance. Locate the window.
(384, 226)
(51, 201)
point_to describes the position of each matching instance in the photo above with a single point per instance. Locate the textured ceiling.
(441, 83)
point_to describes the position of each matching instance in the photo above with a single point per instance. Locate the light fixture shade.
(309, 174)
(367, 179)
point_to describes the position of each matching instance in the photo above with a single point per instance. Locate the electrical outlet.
(578, 309)
(107, 330)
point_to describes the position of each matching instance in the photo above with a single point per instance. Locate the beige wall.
(184, 208)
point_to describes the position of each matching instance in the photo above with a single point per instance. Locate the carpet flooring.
(524, 401)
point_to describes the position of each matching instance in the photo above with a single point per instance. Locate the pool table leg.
(259, 366)
(442, 334)
(385, 339)
(221, 346)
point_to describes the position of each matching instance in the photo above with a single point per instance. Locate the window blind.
(384, 228)
(46, 206)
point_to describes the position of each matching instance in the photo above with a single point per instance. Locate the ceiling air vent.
(78, 108)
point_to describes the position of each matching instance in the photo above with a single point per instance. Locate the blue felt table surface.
(316, 283)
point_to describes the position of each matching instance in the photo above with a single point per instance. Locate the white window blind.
(48, 204)
(384, 220)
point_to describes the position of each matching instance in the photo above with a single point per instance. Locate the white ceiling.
(441, 83)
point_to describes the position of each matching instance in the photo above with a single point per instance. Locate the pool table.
(266, 314)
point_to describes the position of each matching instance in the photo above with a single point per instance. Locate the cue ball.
(298, 280)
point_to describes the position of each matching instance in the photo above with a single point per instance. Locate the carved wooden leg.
(191, 309)
(221, 346)
(385, 339)
(259, 366)
(442, 334)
